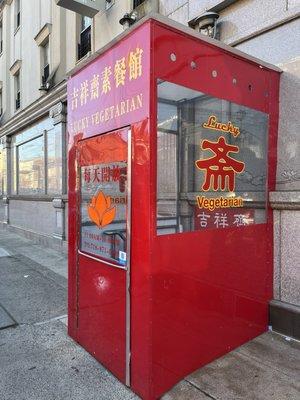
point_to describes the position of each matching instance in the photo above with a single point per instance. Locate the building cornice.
(43, 34)
(35, 110)
(15, 68)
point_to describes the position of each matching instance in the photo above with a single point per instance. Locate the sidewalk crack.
(201, 390)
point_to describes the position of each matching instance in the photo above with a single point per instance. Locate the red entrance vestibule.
(172, 154)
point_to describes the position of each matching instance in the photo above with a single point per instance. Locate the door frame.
(128, 256)
(127, 268)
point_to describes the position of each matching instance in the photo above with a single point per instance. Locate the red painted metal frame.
(96, 322)
(102, 288)
(194, 295)
(210, 289)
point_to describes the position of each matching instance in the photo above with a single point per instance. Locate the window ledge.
(43, 34)
(17, 111)
(15, 68)
(17, 30)
(88, 54)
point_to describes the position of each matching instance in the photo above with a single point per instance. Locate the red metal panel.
(210, 289)
(211, 292)
(101, 308)
(214, 72)
(96, 301)
(72, 237)
(142, 220)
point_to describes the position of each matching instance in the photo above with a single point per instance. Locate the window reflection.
(13, 166)
(31, 165)
(54, 161)
(33, 131)
(1, 170)
(104, 197)
(33, 150)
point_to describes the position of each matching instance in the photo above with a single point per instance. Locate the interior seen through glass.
(211, 162)
(104, 197)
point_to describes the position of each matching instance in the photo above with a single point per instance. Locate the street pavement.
(38, 361)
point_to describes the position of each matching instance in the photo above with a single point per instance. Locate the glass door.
(104, 198)
(104, 249)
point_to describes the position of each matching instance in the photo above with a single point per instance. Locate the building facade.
(41, 42)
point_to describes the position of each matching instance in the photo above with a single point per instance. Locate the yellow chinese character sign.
(135, 63)
(120, 72)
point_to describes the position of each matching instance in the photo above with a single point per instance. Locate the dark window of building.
(136, 3)
(17, 13)
(17, 91)
(18, 100)
(46, 73)
(45, 62)
(1, 36)
(84, 45)
(1, 106)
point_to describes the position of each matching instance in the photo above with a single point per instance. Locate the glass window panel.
(20, 140)
(85, 22)
(2, 160)
(46, 53)
(211, 168)
(167, 190)
(167, 117)
(54, 161)
(33, 131)
(13, 163)
(31, 169)
(104, 198)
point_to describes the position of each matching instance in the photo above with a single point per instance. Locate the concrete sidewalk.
(38, 361)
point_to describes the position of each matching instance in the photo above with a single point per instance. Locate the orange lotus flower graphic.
(100, 210)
